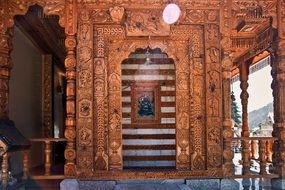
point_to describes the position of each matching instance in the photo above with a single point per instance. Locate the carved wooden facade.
(101, 34)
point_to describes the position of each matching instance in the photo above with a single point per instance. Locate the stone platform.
(177, 184)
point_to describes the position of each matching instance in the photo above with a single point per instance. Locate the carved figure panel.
(213, 98)
(146, 23)
(85, 102)
(100, 93)
(85, 108)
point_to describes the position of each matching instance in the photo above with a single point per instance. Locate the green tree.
(235, 110)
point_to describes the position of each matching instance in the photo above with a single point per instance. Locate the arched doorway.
(148, 110)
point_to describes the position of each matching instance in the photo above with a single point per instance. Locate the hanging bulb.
(147, 59)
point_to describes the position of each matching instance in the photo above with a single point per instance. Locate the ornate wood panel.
(198, 86)
(85, 95)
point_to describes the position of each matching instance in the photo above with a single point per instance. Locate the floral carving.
(117, 13)
(85, 108)
(85, 136)
(146, 23)
(100, 15)
(85, 78)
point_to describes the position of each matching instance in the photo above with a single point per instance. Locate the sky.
(259, 89)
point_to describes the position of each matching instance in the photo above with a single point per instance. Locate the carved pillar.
(5, 171)
(228, 166)
(226, 26)
(278, 86)
(274, 86)
(262, 156)
(26, 164)
(244, 70)
(5, 67)
(70, 65)
(47, 157)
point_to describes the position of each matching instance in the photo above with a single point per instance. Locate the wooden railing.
(256, 157)
(48, 142)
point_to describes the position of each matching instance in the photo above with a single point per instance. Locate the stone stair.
(144, 186)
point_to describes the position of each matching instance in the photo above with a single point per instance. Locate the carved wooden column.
(226, 26)
(26, 164)
(262, 156)
(228, 166)
(5, 171)
(70, 65)
(243, 69)
(5, 60)
(274, 86)
(47, 157)
(278, 86)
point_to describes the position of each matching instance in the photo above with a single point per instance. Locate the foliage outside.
(235, 111)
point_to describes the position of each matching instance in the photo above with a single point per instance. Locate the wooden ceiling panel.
(44, 32)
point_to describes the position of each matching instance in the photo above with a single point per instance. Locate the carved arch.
(120, 51)
(67, 19)
(50, 7)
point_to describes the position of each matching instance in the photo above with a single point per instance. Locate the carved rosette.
(213, 96)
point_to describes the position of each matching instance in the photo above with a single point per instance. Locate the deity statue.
(145, 106)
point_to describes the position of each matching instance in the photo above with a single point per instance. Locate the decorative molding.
(70, 65)
(47, 89)
(121, 175)
(213, 97)
(151, 3)
(100, 94)
(281, 19)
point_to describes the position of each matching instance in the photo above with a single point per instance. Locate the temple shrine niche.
(148, 110)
